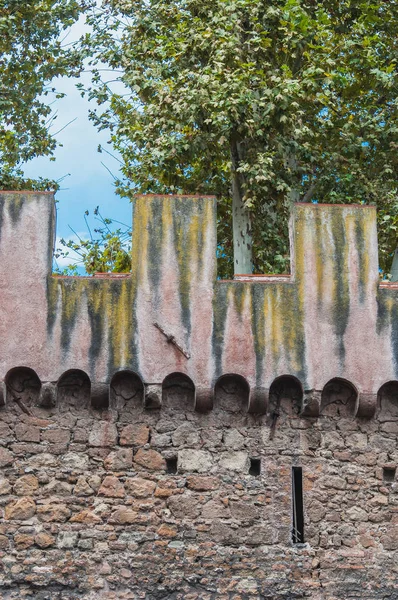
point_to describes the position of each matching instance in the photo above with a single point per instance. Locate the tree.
(264, 102)
(32, 54)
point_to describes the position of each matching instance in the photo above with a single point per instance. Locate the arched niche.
(23, 387)
(232, 393)
(178, 392)
(339, 398)
(127, 390)
(387, 401)
(285, 394)
(73, 390)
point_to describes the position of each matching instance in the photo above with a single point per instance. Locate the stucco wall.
(330, 318)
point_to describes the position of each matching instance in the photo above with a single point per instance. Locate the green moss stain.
(156, 229)
(276, 322)
(15, 206)
(119, 322)
(314, 228)
(299, 291)
(293, 331)
(342, 296)
(220, 305)
(360, 237)
(189, 220)
(283, 310)
(387, 316)
(394, 335)
(385, 303)
(52, 302)
(2, 205)
(238, 293)
(98, 299)
(332, 258)
(111, 318)
(72, 292)
(180, 217)
(258, 329)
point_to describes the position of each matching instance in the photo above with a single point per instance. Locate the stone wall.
(161, 504)
(150, 423)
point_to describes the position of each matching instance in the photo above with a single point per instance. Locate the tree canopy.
(290, 100)
(261, 103)
(32, 54)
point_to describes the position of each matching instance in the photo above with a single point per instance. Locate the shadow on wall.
(339, 399)
(126, 390)
(387, 401)
(73, 390)
(178, 392)
(285, 394)
(232, 394)
(23, 387)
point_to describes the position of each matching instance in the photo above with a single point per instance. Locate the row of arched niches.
(231, 393)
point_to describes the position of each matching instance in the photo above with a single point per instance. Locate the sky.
(86, 182)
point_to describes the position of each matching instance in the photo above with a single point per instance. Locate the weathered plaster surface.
(329, 319)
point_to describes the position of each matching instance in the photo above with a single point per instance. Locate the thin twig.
(18, 400)
(109, 171)
(88, 227)
(171, 340)
(64, 127)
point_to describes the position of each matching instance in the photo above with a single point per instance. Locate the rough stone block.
(86, 516)
(26, 485)
(23, 541)
(6, 457)
(21, 509)
(184, 506)
(202, 484)
(138, 487)
(233, 439)
(134, 435)
(5, 487)
(243, 511)
(112, 488)
(124, 516)
(103, 433)
(73, 461)
(44, 540)
(199, 461)
(27, 433)
(67, 540)
(214, 509)
(185, 435)
(235, 461)
(56, 436)
(82, 488)
(53, 512)
(119, 460)
(150, 459)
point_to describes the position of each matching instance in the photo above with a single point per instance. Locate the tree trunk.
(394, 267)
(241, 219)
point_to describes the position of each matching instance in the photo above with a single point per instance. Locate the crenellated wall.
(330, 318)
(150, 422)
